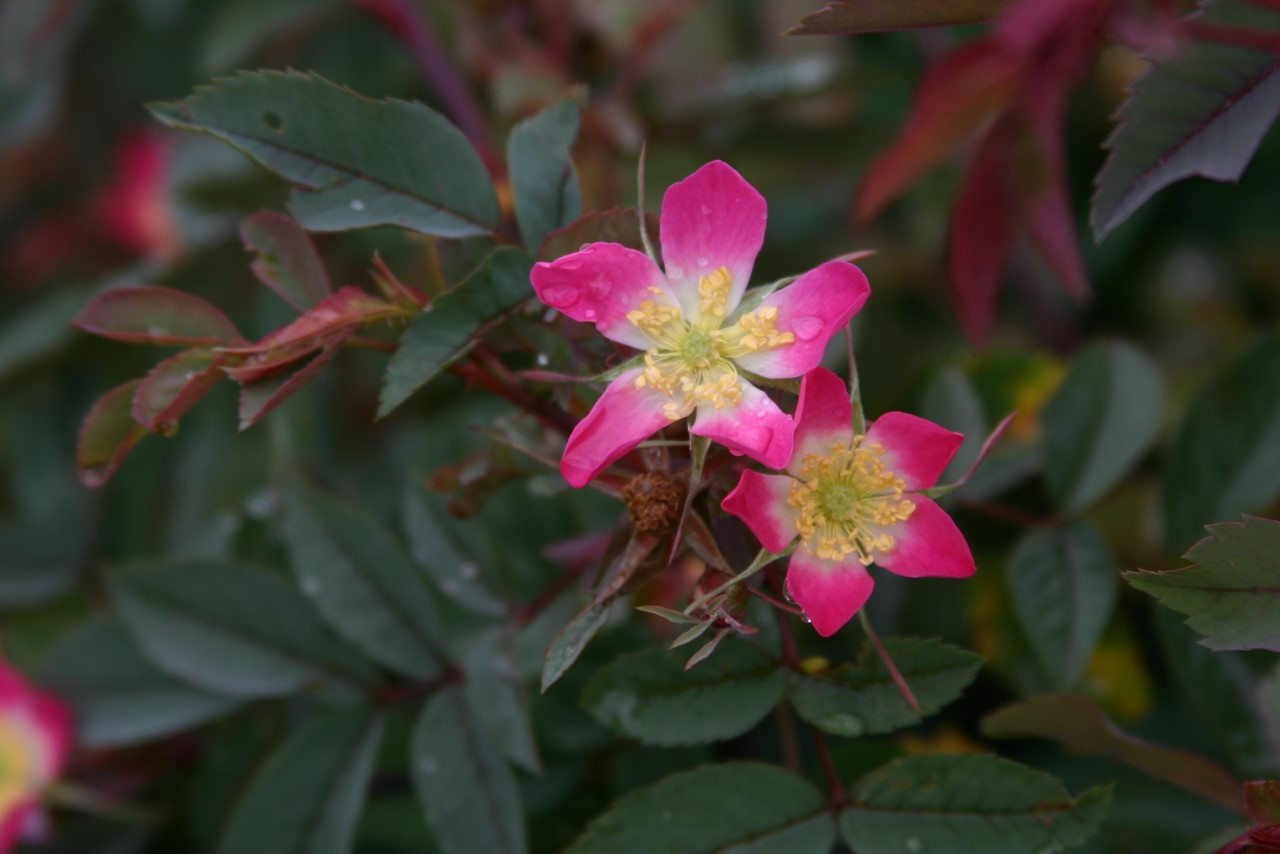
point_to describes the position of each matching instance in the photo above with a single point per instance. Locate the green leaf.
(1200, 110)
(363, 583)
(571, 641)
(354, 162)
(735, 807)
(107, 435)
(40, 564)
(650, 696)
(862, 699)
(159, 316)
(973, 803)
(230, 628)
(874, 16)
(468, 794)
(616, 225)
(1232, 593)
(495, 691)
(1102, 419)
(444, 331)
(286, 261)
(1222, 689)
(117, 695)
(1081, 726)
(38, 331)
(423, 519)
(951, 400)
(308, 794)
(1228, 449)
(1063, 581)
(545, 184)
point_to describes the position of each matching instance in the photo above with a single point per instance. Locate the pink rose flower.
(853, 501)
(697, 343)
(35, 737)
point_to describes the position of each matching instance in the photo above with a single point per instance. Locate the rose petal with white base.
(622, 418)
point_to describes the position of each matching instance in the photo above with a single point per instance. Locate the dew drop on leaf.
(357, 205)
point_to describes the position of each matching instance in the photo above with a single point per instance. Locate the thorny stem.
(888, 662)
(497, 378)
(1005, 513)
(777, 603)
(791, 658)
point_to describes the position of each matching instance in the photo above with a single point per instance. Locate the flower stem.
(888, 661)
(855, 387)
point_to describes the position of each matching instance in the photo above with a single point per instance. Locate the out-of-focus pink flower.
(135, 209)
(686, 319)
(853, 501)
(35, 737)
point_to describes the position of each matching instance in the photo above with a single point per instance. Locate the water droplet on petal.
(675, 271)
(706, 209)
(560, 296)
(589, 314)
(702, 262)
(357, 205)
(804, 617)
(807, 328)
(586, 249)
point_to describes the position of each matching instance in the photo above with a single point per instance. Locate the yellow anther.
(653, 318)
(713, 293)
(18, 771)
(759, 330)
(848, 501)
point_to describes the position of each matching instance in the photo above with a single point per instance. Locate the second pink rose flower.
(697, 339)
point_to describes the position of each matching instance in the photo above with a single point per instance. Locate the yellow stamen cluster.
(693, 362)
(847, 499)
(17, 766)
(713, 293)
(760, 331)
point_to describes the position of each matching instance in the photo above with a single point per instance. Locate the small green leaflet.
(543, 179)
(1232, 593)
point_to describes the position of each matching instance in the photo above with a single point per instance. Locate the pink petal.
(929, 545)
(14, 822)
(829, 593)
(917, 450)
(622, 418)
(599, 284)
(813, 308)
(52, 719)
(755, 427)
(711, 219)
(760, 500)
(824, 416)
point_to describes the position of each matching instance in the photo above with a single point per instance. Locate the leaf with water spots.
(862, 698)
(736, 807)
(468, 794)
(967, 802)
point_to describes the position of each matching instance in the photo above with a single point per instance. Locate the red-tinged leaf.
(174, 386)
(1079, 724)
(983, 226)
(155, 316)
(342, 311)
(261, 366)
(1262, 798)
(258, 399)
(1051, 226)
(107, 435)
(287, 262)
(959, 96)
(877, 16)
